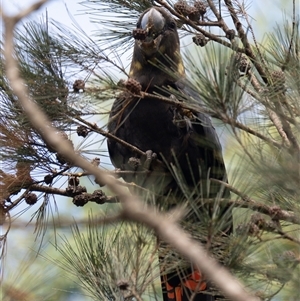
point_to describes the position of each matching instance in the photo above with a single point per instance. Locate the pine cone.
(244, 65)
(133, 86)
(80, 200)
(31, 198)
(182, 8)
(278, 80)
(99, 197)
(200, 40)
(201, 7)
(48, 179)
(78, 85)
(73, 191)
(194, 14)
(82, 131)
(230, 34)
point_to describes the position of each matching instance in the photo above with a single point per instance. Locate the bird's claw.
(150, 157)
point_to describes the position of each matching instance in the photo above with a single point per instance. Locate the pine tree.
(250, 88)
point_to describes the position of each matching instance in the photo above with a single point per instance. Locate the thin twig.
(292, 37)
(215, 114)
(273, 211)
(245, 14)
(247, 47)
(199, 29)
(217, 13)
(106, 134)
(273, 116)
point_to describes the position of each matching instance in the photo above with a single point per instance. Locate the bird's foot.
(135, 162)
(150, 157)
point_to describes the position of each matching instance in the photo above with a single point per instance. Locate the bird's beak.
(153, 23)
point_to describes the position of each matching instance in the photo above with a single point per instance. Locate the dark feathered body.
(151, 124)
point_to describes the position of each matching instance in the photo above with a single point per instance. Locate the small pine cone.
(200, 40)
(31, 198)
(182, 7)
(73, 181)
(133, 86)
(99, 197)
(278, 80)
(244, 65)
(82, 131)
(194, 14)
(230, 34)
(80, 189)
(78, 85)
(201, 7)
(80, 200)
(139, 34)
(48, 179)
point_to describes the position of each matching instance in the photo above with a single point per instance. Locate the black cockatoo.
(186, 144)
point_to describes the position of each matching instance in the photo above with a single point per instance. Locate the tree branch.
(274, 212)
(242, 35)
(199, 29)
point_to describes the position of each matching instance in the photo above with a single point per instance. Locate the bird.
(179, 149)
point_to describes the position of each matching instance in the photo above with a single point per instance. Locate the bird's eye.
(172, 25)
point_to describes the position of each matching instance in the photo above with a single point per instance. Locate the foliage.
(113, 262)
(250, 88)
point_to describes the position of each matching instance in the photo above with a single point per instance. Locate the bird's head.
(156, 44)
